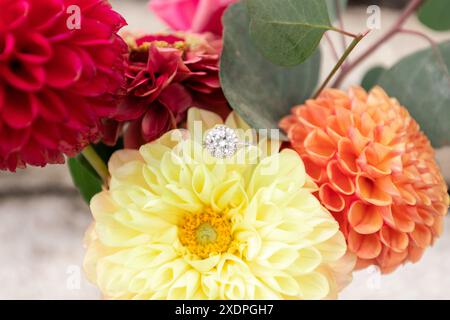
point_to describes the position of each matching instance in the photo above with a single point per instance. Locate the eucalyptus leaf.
(371, 77)
(84, 177)
(287, 32)
(259, 91)
(435, 14)
(421, 82)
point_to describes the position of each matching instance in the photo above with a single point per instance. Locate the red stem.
(409, 10)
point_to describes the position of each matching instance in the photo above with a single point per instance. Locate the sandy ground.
(42, 218)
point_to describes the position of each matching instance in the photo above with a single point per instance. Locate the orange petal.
(357, 93)
(385, 135)
(358, 140)
(331, 199)
(297, 135)
(319, 145)
(424, 198)
(407, 194)
(367, 125)
(402, 218)
(344, 118)
(312, 114)
(412, 173)
(333, 129)
(364, 263)
(411, 213)
(316, 172)
(376, 160)
(339, 180)
(415, 253)
(426, 215)
(438, 226)
(390, 260)
(287, 122)
(396, 240)
(441, 208)
(421, 236)
(365, 219)
(368, 191)
(364, 246)
(385, 183)
(347, 156)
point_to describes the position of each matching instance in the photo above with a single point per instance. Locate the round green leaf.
(259, 91)
(421, 82)
(371, 77)
(435, 14)
(287, 32)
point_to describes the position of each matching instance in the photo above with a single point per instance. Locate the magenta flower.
(192, 15)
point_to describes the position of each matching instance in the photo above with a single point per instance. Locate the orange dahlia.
(376, 172)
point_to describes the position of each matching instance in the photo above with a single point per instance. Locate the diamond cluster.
(222, 142)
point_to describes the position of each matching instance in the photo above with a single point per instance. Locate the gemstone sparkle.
(222, 142)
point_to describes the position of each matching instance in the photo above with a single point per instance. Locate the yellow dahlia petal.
(118, 159)
(313, 286)
(206, 119)
(177, 223)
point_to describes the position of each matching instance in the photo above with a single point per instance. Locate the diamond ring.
(223, 142)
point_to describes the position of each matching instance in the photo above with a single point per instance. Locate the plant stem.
(96, 162)
(409, 10)
(341, 61)
(343, 32)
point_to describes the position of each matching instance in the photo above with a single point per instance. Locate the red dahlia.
(61, 62)
(167, 74)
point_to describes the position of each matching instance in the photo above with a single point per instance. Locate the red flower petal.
(64, 69)
(33, 48)
(20, 109)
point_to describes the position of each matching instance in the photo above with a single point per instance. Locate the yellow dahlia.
(376, 173)
(177, 223)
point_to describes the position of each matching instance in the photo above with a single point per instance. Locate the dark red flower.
(57, 79)
(166, 75)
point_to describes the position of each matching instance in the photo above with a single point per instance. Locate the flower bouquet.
(217, 162)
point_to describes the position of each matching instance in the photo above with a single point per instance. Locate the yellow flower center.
(205, 233)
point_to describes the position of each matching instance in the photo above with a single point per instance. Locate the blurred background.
(43, 218)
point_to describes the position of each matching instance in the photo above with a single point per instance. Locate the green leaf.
(435, 14)
(332, 7)
(260, 92)
(421, 82)
(83, 174)
(287, 32)
(84, 177)
(371, 77)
